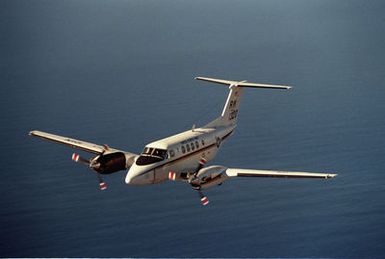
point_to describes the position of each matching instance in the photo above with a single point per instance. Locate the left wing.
(75, 143)
(107, 161)
(237, 172)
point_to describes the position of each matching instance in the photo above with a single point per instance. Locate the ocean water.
(121, 73)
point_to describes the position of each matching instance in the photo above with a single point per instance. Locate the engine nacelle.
(212, 176)
(112, 162)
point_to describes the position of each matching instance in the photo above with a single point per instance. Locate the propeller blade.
(77, 158)
(105, 148)
(102, 184)
(172, 176)
(204, 199)
(202, 163)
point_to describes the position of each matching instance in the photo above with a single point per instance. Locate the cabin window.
(188, 147)
(172, 153)
(192, 146)
(197, 144)
(183, 150)
(203, 142)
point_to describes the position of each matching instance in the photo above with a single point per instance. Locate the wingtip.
(34, 133)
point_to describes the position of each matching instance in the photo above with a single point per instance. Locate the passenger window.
(203, 142)
(196, 144)
(192, 146)
(183, 150)
(172, 153)
(188, 147)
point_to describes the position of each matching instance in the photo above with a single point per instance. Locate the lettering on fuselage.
(233, 114)
(233, 103)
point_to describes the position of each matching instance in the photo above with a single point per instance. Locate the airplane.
(181, 157)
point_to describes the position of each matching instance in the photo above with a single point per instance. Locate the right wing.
(74, 143)
(236, 172)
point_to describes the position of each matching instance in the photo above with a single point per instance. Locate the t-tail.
(230, 111)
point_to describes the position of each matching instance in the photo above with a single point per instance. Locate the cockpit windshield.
(151, 155)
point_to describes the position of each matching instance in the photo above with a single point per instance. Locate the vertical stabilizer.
(230, 111)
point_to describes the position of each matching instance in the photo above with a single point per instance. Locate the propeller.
(93, 165)
(194, 182)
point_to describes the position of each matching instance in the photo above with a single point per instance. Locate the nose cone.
(132, 175)
(139, 177)
(128, 178)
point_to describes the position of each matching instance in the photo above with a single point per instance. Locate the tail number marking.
(233, 114)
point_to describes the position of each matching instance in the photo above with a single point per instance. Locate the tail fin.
(229, 114)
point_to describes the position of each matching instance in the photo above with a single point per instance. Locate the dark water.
(120, 72)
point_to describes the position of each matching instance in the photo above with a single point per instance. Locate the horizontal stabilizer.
(233, 172)
(243, 83)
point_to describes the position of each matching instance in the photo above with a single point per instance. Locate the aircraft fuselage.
(184, 151)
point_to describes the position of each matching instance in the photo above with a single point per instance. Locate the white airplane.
(181, 157)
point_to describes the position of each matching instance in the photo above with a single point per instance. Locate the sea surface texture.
(121, 73)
